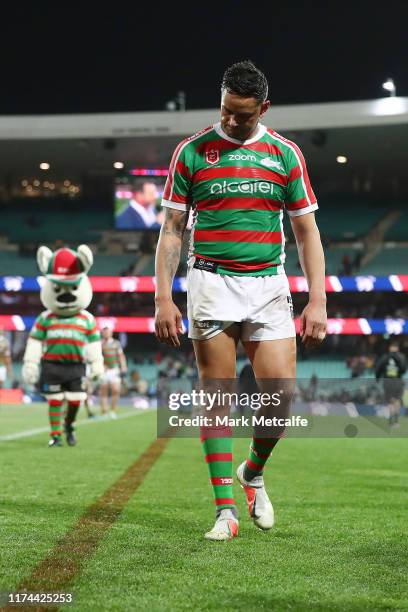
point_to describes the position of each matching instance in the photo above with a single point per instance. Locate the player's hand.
(30, 373)
(168, 322)
(313, 324)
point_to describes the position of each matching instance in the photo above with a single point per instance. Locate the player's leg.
(74, 399)
(88, 402)
(395, 408)
(55, 407)
(271, 348)
(216, 359)
(274, 364)
(393, 390)
(103, 396)
(115, 394)
(273, 361)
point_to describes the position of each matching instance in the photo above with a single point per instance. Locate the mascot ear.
(86, 256)
(44, 255)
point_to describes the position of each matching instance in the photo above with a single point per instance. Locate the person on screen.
(141, 211)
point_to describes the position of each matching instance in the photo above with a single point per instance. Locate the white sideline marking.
(33, 432)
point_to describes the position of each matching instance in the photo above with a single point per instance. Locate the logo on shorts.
(206, 324)
(52, 388)
(212, 156)
(289, 298)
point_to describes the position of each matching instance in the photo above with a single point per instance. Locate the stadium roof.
(371, 134)
(383, 111)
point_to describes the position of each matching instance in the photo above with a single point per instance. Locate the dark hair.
(139, 183)
(245, 79)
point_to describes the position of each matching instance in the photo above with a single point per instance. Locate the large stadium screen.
(138, 199)
(138, 196)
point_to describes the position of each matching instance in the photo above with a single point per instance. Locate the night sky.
(65, 59)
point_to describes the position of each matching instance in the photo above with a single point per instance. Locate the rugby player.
(115, 366)
(239, 176)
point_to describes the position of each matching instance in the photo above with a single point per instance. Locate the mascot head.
(67, 288)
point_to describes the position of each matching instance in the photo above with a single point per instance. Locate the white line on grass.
(33, 432)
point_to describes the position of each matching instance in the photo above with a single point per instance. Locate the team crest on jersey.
(212, 156)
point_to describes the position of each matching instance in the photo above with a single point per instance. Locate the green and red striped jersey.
(111, 351)
(238, 191)
(64, 338)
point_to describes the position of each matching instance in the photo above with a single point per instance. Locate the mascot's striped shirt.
(238, 191)
(65, 338)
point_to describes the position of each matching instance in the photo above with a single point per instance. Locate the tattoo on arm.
(172, 261)
(173, 227)
(175, 222)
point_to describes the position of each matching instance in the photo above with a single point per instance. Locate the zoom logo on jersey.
(245, 187)
(241, 157)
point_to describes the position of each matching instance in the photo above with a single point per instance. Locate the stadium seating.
(340, 220)
(42, 221)
(388, 261)
(333, 256)
(344, 220)
(399, 230)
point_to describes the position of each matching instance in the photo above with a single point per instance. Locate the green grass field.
(340, 540)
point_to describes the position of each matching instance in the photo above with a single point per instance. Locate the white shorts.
(3, 373)
(262, 304)
(111, 376)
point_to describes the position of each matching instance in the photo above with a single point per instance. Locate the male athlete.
(115, 366)
(239, 176)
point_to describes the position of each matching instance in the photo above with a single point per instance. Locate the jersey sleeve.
(177, 191)
(38, 330)
(300, 198)
(93, 331)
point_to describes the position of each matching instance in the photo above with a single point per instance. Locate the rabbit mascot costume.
(64, 337)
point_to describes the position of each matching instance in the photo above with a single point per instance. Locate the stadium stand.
(346, 221)
(390, 260)
(399, 230)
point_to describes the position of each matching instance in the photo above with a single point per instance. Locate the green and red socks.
(55, 416)
(73, 407)
(217, 445)
(259, 453)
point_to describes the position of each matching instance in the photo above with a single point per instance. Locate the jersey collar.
(258, 134)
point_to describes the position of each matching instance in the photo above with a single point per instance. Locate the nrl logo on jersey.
(212, 156)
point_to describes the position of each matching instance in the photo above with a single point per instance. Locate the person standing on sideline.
(115, 366)
(239, 176)
(391, 367)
